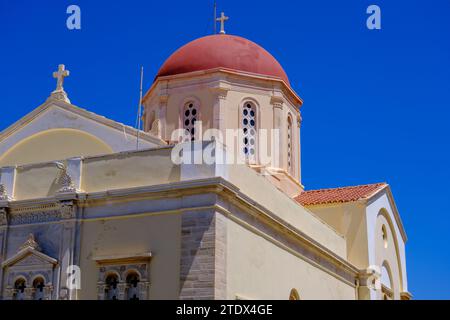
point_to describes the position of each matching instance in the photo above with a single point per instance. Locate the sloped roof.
(338, 195)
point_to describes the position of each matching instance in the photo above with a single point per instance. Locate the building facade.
(94, 209)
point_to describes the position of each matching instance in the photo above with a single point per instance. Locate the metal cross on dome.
(222, 20)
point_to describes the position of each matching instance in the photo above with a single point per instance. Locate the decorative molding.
(122, 259)
(220, 92)
(34, 217)
(163, 99)
(67, 209)
(277, 102)
(228, 73)
(64, 209)
(121, 268)
(30, 243)
(3, 194)
(59, 96)
(29, 263)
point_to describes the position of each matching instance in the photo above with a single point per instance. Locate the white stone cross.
(60, 75)
(222, 20)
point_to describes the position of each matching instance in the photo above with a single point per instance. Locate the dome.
(223, 51)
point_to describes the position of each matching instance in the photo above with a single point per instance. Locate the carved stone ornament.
(30, 243)
(59, 93)
(64, 179)
(156, 128)
(3, 217)
(3, 194)
(67, 210)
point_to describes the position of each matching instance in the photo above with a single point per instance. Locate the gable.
(29, 257)
(30, 260)
(58, 130)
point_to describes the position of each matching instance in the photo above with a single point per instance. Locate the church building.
(91, 208)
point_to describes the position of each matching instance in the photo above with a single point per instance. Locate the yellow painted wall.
(349, 220)
(55, 144)
(145, 168)
(158, 234)
(37, 181)
(258, 269)
(260, 190)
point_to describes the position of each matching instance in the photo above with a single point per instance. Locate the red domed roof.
(223, 51)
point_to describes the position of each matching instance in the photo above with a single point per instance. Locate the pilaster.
(219, 112)
(203, 256)
(279, 123)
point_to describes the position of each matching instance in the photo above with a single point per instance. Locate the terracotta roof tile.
(338, 195)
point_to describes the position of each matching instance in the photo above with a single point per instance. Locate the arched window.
(19, 288)
(190, 117)
(38, 285)
(111, 292)
(249, 130)
(289, 145)
(293, 295)
(132, 286)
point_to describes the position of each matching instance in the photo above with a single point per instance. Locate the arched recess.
(387, 285)
(386, 275)
(390, 227)
(54, 144)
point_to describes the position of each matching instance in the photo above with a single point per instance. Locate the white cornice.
(283, 85)
(223, 188)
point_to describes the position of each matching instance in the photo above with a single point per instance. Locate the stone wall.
(203, 256)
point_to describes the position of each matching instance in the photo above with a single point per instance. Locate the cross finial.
(59, 93)
(60, 75)
(222, 20)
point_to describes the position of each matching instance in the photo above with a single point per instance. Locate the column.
(101, 286)
(122, 286)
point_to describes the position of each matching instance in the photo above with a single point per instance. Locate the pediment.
(110, 136)
(29, 257)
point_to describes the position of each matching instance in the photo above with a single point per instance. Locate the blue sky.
(376, 103)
